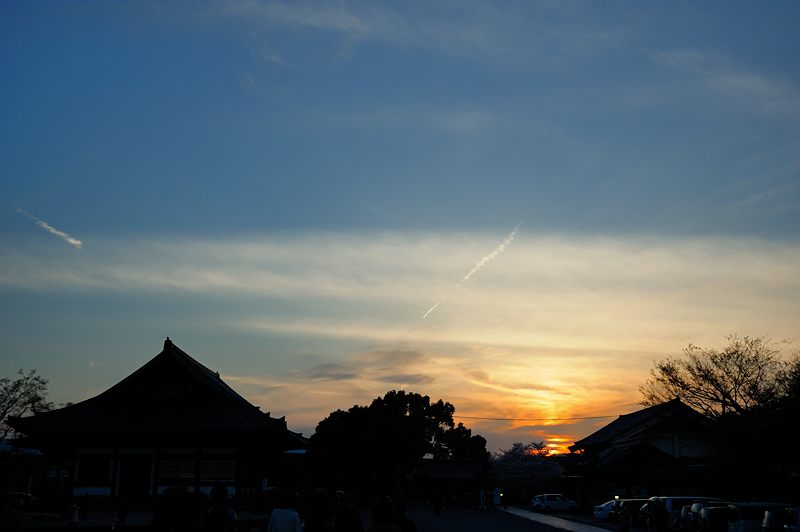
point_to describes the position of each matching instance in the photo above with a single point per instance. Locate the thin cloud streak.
(499, 249)
(557, 290)
(458, 120)
(476, 31)
(750, 89)
(74, 242)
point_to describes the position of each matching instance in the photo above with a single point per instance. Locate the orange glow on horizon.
(506, 396)
(559, 445)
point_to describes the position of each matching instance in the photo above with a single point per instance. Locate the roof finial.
(167, 343)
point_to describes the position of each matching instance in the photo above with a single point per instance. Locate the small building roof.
(172, 393)
(628, 425)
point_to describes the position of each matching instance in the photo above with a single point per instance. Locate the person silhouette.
(220, 516)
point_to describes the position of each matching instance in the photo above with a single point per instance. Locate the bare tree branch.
(27, 394)
(746, 373)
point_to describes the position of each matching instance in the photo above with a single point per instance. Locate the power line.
(532, 418)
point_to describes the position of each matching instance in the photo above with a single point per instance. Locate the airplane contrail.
(499, 249)
(74, 242)
(434, 307)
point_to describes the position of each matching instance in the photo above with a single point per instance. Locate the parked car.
(606, 511)
(553, 502)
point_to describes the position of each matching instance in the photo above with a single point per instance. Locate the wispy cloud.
(750, 89)
(776, 200)
(557, 290)
(388, 367)
(476, 30)
(496, 390)
(320, 16)
(566, 326)
(465, 120)
(74, 242)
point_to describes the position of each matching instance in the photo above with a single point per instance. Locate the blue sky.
(286, 188)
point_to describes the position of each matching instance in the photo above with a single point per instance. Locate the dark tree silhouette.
(747, 373)
(27, 394)
(370, 447)
(458, 443)
(752, 396)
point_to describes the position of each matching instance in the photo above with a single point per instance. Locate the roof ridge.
(212, 376)
(626, 423)
(205, 376)
(172, 376)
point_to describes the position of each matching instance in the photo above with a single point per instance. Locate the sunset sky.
(513, 206)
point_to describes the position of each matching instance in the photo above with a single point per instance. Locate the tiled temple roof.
(172, 393)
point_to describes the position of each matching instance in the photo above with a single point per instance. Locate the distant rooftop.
(627, 423)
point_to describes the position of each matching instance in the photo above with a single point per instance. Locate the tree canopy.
(370, 446)
(746, 373)
(26, 394)
(751, 392)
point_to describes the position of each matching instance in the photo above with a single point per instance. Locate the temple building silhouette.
(173, 423)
